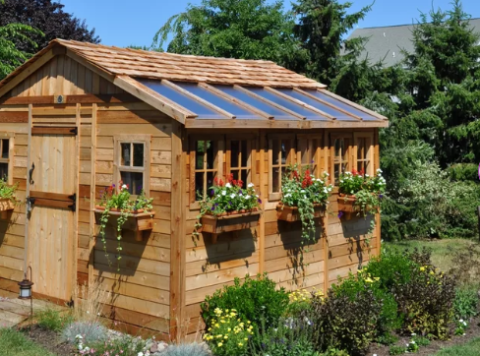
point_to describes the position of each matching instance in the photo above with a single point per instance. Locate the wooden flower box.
(291, 214)
(6, 205)
(346, 204)
(137, 221)
(217, 224)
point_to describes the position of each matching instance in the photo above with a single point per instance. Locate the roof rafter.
(313, 97)
(197, 99)
(234, 100)
(299, 102)
(269, 102)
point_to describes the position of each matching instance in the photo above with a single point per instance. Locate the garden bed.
(48, 340)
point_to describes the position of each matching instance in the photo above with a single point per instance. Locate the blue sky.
(134, 22)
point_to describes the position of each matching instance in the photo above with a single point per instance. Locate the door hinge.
(73, 197)
(74, 131)
(31, 200)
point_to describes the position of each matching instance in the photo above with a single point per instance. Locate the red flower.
(240, 183)
(354, 172)
(218, 182)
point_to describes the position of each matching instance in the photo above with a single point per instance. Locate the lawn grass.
(471, 348)
(13, 342)
(443, 251)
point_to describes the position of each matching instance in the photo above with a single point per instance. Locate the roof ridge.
(399, 25)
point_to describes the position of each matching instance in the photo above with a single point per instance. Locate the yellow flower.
(229, 329)
(220, 344)
(209, 329)
(249, 322)
(432, 273)
(225, 337)
(218, 311)
(240, 344)
(219, 336)
(217, 325)
(205, 337)
(368, 280)
(246, 339)
(422, 269)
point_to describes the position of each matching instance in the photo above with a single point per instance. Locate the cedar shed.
(78, 117)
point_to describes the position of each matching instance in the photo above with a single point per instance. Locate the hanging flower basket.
(138, 221)
(291, 213)
(227, 222)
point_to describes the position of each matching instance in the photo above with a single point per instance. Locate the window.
(281, 156)
(309, 149)
(205, 161)
(6, 147)
(341, 162)
(132, 155)
(239, 160)
(364, 155)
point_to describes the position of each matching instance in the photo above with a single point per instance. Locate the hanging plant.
(307, 194)
(7, 195)
(360, 193)
(119, 201)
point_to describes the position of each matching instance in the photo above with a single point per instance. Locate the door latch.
(73, 197)
(30, 174)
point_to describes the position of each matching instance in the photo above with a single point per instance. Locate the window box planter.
(291, 214)
(236, 221)
(138, 221)
(346, 204)
(6, 205)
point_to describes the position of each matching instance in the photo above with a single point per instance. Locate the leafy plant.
(7, 191)
(116, 344)
(421, 341)
(397, 350)
(120, 200)
(300, 301)
(466, 302)
(256, 300)
(91, 332)
(193, 349)
(460, 327)
(53, 319)
(301, 190)
(228, 335)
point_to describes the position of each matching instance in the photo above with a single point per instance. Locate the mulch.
(472, 332)
(49, 340)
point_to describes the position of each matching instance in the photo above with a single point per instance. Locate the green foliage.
(290, 337)
(460, 327)
(91, 332)
(466, 302)
(10, 56)
(53, 319)
(421, 341)
(7, 191)
(397, 350)
(118, 344)
(186, 350)
(256, 300)
(13, 342)
(463, 172)
(301, 190)
(249, 29)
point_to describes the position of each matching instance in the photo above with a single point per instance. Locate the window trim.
(291, 158)
(350, 157)
(220, 157)
(11, 154)
(371, 155)
(146, 141)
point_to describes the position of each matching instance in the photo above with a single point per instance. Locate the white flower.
(366, 175)
(79, 336)
(250, 185)
(232, 196)
(413, 342)
(379, 170)
(302, 191)
(124, 186)
(224, 192)
(248, 197)
(341, 180)
(351, 192)
(413, 334)
(228, 185)
(288, 195)
(328, 175)
(140, 354)
(461, 320)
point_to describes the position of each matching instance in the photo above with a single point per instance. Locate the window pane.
(275, 151)
(199, 156)
(199, 179)
(5, 149)
(236, 174)
(126, 154)
(336, 172)
(138, 157)
(245, 154)
(133, 180)
(210, 178)
(345, 150)
(360, 166)
(4, 171)
(285, 151)
(338, 147)
(276, 180)
(210, 154)
(361, 153)
(244, 177)
(235, 152)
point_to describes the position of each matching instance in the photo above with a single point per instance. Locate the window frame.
(307, 142)
(291, 158)
(370, 153)
(10, 136)
(220, 159)
(117, 157)
(350, 157)
(251, 147)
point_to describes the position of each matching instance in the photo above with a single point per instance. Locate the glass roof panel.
(222, 103)
(312, 102)
(260, 105)
(201, 110)
(310, 115)
(342, 105)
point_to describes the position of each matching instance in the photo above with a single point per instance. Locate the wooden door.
(52, 206)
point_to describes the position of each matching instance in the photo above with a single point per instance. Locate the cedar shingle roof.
(187, 68)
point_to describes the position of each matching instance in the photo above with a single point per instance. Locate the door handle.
(30, 174)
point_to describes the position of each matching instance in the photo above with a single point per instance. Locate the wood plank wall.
(273, 247)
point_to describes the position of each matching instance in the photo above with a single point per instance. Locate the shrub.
(228, 335)
(256, 300)
(91, 332)
(465, 304)
(186, 350)
(116, 344)
(421, 341)
(54, 319)
(463, 172)
(289, 337)
(426, 302)
(300, 301)
(348, 317)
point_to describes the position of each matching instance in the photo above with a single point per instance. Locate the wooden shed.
(68, 113)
